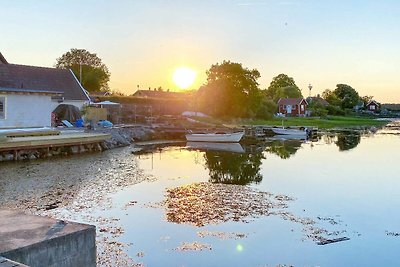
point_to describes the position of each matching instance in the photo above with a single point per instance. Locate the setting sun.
(184, 77)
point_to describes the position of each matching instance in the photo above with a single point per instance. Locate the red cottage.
(372, 106)
(292, 106)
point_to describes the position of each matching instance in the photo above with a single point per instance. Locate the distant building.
(29, 94)
(372, 106)
(159, 94)
(359, 106)
(292, 106)
(317, 99)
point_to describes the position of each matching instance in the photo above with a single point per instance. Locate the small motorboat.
(213, 146)
(290, 131)
(215, 137)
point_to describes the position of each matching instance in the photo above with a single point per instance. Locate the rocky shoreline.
(125, 136)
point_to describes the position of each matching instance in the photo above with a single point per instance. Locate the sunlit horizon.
(318, 43)
(184, 77)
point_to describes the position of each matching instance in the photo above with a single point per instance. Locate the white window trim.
(5, 107)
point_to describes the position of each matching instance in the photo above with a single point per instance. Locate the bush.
(319, 112)
(266, 109)
(334, 110)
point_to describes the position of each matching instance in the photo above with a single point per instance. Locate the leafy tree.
(317, 109)
(331, 97)
(335, 110)
(366, 99)
(231, 91)
(283, 86)
(95, 74)
(347, 95)
(267, 108)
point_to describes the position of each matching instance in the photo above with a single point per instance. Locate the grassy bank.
(321, 123)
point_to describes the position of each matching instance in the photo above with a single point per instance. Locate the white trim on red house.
(372, 101)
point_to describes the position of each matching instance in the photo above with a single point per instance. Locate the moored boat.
(215, 137)
(289, 131)
(215, 146)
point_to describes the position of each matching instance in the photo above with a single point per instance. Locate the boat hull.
(213, 146)
(292, 132)
(214, 137)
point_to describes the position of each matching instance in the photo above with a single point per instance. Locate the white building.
(29, 94)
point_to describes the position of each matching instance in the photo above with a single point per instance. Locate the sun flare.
(184, 77)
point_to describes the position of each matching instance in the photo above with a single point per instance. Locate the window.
(2, 108)
(302, 107)
(372, 107)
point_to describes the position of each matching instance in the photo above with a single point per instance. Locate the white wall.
(23, 110)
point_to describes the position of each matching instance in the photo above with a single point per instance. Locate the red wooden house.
(292, 106)
(372, 106)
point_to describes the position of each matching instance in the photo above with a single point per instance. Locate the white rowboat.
(289, 131)
(215, 137)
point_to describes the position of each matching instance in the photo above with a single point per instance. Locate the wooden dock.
(23, 132)
(43, 146)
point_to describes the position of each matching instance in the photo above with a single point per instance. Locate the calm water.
(351, 178)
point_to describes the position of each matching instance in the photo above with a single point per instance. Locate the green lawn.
(326, 123)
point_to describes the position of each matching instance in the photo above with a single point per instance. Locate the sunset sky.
(143, 41)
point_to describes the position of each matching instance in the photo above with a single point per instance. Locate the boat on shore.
(290, 131)
(215, 137)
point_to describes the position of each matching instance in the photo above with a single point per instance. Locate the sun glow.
(184, 77)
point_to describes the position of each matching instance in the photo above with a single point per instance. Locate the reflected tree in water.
(233, 168)
(283, 148)
(348, 140)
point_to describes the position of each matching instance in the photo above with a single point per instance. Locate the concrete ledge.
(41, 241)
(9, 263)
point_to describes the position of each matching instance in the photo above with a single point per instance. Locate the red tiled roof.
(290, 101)
(33, 78)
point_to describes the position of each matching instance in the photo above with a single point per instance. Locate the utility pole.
(80, 72)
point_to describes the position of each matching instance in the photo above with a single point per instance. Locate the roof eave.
(80, 85)
(27, 91)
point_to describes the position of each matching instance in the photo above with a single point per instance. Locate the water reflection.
(233, 168)
(234, 163)
(243, 167)
(348, 140)
(283, 148)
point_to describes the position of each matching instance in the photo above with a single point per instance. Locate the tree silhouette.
(284, 148)
(95, 74)
(348, 140)
(233, 168)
